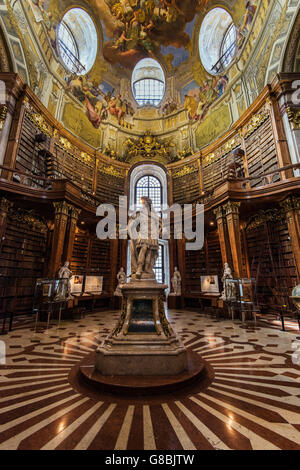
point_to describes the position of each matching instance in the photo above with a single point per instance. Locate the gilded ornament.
(186, 170)
(293, 117)
(3, 114)
(112, 171)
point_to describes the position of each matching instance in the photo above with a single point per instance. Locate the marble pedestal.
(143, 343)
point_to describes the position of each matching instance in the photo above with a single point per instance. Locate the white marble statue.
(144, 230)
(65, 273)
(121, 278)
(176, 282)
(229, 292)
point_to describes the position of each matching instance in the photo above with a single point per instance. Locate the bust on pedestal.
(143, 342)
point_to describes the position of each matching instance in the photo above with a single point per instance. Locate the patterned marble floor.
(253, 401)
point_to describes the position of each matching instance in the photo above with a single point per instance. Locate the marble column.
(291, 121)
(223, 235)
(12, 113)
(114, 249)
(60, 227)
(73, 214)
(5, 205)
(181, 266)
(291, 207)
(282, 148)
(233, 224)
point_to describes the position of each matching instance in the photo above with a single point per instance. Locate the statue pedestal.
(143, 343)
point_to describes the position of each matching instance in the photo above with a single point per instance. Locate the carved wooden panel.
(186, 188)
(215, 170)
(109, 188)
(69, 165)
(80, 254)
(207, 261)
(272, 262)
(30, 158)
(22, 258)
(261, 152)
(100, 260)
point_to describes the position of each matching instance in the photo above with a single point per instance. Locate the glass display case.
(210, 284)
(50, 295)
(93, 284)
(77, 284)
(239, 297)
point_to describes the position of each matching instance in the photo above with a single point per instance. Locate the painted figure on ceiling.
(197, 100)
(138, 28)
(99, 104)
(249, 15)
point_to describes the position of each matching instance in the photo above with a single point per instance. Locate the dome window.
(77, 41)
(217, 41)
(148, 83)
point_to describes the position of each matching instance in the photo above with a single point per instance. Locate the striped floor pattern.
(253, 401)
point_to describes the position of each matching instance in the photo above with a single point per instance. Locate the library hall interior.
(150, 225)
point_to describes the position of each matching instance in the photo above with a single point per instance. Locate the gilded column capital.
(291, 203)
(293, 117)
(232, 207)
(5, 205)
(61, 208)
(74, 212)
(3, 114)
(219, 213)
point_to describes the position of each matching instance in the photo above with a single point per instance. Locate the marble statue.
(176, 282)
(229, 292)
(144, 229)
(65, 273)
(121, 278)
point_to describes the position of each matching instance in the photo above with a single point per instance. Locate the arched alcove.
(157, 172)
(144, 170)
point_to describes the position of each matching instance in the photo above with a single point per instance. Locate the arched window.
(77, 41)
(148, 83)
(228, 47)
(159, 268)
(149, 186)
(68, 48)
(217, 41)
(150, 180)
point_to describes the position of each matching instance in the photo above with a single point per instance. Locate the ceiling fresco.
(143, 27)
(128, 31)
(134, 29)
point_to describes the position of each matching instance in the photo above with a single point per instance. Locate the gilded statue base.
(143, 342)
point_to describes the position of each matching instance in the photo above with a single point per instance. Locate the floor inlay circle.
(154, 389)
